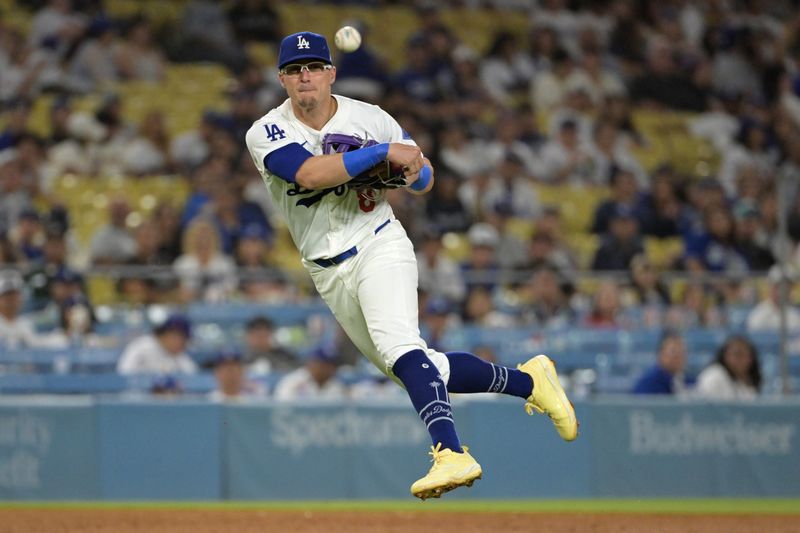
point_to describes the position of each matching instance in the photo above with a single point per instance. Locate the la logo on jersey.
(302, 43)
(274, 132)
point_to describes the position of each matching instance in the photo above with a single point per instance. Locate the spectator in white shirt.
(564, 160)
(205, 272)
(148, 152)
(608, 151)
(114, 243)
(262, 353)
(15, 331)
(508, 140)
(734, 375)
(56, 24)
(25, 70)
(438, 274)
(719, 125)
(77, 325)
(566, 23)
(593, 78)
(138, 58)
(549, 88)
(510, 187)
(316, 380)
(751, 151)
(94, 63)
(507, 70)
(766, 315)
(231, 377)
(191, 148)
(460, 153)
(162, 352)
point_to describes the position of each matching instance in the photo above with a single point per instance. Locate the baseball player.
(326, 160)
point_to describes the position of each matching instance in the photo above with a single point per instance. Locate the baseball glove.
(384, 175)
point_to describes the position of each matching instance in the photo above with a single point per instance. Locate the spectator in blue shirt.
(715, 250)
(667, 375)
(361, 72)
(481, 267)
(625, 194)
(622, 242)
(416, 80)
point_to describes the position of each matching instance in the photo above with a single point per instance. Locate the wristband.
(358, 161)
(423, 180)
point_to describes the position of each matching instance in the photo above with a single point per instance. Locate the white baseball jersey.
(324, 223)
(372, 294)
(145, 355)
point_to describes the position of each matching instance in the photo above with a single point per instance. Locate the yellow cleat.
(548, 396)
(450, 470)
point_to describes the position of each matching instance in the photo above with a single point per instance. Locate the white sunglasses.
(294, 69)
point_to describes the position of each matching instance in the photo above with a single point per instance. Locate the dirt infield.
(21, 520)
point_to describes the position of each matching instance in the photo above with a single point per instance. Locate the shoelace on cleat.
(437, 454)
(530, 407)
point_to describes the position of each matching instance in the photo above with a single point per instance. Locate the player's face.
(308, 83)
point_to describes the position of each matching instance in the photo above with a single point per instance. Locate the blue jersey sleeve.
(285, 162)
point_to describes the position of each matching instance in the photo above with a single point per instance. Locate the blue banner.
(159, 450)
(72, 448)
(664, 449)
(48, 449)
(322, 451)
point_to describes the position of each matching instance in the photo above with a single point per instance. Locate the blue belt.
(347, 254)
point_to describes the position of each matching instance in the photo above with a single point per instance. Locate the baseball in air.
(347, 39)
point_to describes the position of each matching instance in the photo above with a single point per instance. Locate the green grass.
(694, 506)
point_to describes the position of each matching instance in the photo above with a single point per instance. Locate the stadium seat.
(583, 247)
(576, 204)
(663, 252)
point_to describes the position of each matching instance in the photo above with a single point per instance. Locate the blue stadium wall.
(79, 448)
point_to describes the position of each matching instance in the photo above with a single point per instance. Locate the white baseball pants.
(373, 295)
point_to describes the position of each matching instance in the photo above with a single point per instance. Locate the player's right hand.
(407, 156)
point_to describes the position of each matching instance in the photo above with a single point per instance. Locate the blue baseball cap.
(325, 353)
(67, 275)
(254, 231)
(165, 384)
(176, 322)
(228, 355)
(438, 305)
(77, 299)
(624, 212)
(303, 45)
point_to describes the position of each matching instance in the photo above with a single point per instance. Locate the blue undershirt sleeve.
(363, 159)
(285, 162)
(423, 180)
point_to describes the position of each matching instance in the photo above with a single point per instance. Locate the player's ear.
(280, 78)
(333, 75)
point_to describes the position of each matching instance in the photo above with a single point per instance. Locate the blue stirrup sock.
(470, 373)
(429, 395)
(358, 161)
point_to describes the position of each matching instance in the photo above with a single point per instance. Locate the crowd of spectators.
(734, 374)
(553, 106)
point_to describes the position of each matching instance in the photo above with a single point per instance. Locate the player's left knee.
(426, 356)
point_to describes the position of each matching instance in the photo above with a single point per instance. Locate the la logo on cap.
(302, 43)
